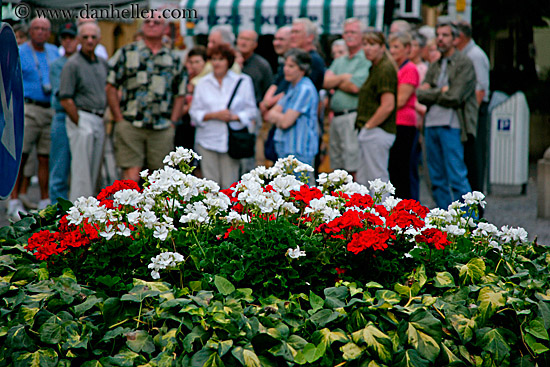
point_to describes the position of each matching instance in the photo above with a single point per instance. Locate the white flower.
(474, 198)
(295, 253)
(454, 230)
(513, 234)
(74, 216)
(381, 188)
(127, 197)
(180, 154)
(161, 231)
(391, 202)
(143, 174)
(123, 230)
(163, 261)
(109, 232)
(198, 212)
(485, 230)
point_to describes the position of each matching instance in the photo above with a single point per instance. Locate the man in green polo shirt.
(346, 75)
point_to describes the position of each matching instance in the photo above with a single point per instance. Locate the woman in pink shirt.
(407, 82)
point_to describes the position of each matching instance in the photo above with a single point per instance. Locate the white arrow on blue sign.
(11, 111)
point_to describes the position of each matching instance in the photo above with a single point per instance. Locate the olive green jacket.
(461, 93)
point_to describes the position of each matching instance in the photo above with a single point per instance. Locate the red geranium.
(306, 194)
(433, 236)
(375, 238)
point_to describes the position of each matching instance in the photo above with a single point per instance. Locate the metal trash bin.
(509, 160)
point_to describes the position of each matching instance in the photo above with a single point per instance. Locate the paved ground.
(505, 206)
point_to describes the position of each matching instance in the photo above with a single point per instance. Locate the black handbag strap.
(233, 94)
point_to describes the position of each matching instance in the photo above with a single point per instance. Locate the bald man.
(254, 65)
(36, 57)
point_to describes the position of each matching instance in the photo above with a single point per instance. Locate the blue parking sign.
(11, 111)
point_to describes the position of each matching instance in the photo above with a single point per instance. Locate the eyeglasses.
(153, 22)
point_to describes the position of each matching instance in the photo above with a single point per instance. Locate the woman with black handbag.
(223, 102)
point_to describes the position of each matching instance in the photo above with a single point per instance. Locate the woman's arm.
(387, 104)
(280, 119)
(404, 92)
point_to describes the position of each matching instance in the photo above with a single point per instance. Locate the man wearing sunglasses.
(150, 78)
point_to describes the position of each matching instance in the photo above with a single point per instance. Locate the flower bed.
(183, 273)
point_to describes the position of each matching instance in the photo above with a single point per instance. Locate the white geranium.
(379, 187)
(108, 232)
(127, 197)
(123, 230)
(197, 212)
(474, 198)
(165, 260)
(485, 230)
(295, 253)
(513, 234)
(391, 202)
(180, 155)
(454, 230)
(325, 206)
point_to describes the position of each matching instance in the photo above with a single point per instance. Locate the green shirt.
(358, 66)
(382, 79)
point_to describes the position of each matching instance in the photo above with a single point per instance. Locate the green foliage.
(482, 312)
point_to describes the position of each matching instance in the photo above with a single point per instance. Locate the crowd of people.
(384, 99)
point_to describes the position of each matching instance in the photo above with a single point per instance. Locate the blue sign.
(504, 124)
(11, 111)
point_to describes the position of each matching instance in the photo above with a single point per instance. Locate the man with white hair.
(82, 95)
(346, 75)
(218, 34)
(303, 35)
(36, 56)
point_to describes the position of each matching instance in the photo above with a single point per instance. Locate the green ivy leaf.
(76, 338)
(18, 338)
(411, 358)
(444, 279)
(426, 346)
(378, 342)
(139, 293)
(425, 321)
(223, 285)
(351, 351)
(206, 358)
(224, 346)
(323, 317)
(537, 329)
(474, 269)
(263, 341)
(108, 280)
(247, 357)
(492, 341)
(387, 296)
(536, 347)
(544, 311)
(26, 315)
(86, 305)
(464, 326)
(140, 341)
(92, 364)
(51, 333)
(41, 358)
(316, 302)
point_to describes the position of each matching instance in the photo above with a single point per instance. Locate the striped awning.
(266, 16)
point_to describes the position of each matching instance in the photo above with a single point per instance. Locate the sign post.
(11, 111)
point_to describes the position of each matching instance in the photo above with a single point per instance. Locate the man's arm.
(113, 102)
(463, 84)
(70, 109)
(178, 108)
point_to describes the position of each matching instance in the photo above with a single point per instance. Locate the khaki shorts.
(38, 122)
(145, 148)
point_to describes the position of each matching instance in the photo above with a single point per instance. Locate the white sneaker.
(27, 201)
(15, 206)
(42, 204)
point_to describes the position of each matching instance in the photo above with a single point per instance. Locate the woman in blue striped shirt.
(295, 115)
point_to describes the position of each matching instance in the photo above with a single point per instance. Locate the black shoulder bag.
(241, 143)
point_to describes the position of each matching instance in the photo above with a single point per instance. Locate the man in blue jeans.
(449, 93)
(60, 152)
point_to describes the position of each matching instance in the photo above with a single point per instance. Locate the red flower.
(376, 238)
(404, 219)
(412, 206)
(306, 194)
(229, 193)
(231, 229)
(433, 236)
(118, 185)
(360, 201)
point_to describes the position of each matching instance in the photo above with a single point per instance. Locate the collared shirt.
(302, 137)
(260, 71)
(382, 79)
(461, 93)
(83, 80)
(210, 96)
(407, 74)
(358, 66)
(149, 83)
(481, 66)
(33, 74)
